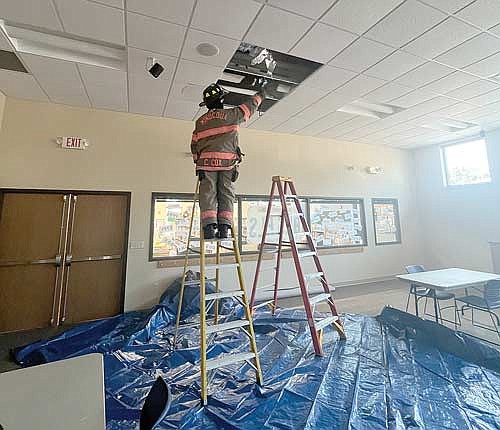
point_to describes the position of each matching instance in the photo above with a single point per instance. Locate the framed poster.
(386, 221)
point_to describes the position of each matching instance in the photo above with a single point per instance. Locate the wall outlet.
(136, 244)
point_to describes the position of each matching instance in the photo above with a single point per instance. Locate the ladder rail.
(278, 264)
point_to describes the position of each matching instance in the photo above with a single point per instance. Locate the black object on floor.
(156, 405)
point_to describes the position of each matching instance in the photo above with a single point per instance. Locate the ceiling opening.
(9, 61)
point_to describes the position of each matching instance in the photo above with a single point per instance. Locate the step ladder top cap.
(282, 178)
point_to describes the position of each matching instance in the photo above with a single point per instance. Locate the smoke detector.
(207, 49)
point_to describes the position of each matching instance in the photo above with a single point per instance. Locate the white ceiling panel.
(486, 68)
(154, 35)
(360, 85)
(40, 13)
(113, 3)
(227, 48)
(20, 85)
(485, 99)
(473, 90)
(495, 30)
(455, 109)
(387, 92)
(267, 121)
(233, 22)
(424, 74)
(313, 9)
(395, 65)
(329, 78)
(4, 42)
(197, 73)
(92, 20)
(181, 109)
(475, 49)
(413, 98)
(146, 95)
(361, 54)
(107, 88)
(329, 121)
(359, 15)
(137, 64)
(277, 29)
(449, 6)
(441, 38)
(187, 92)
(483, 13)
(299, 99)
(407, 22)
(177, 11)
(313, 47)
(450, 82)
(60, 79)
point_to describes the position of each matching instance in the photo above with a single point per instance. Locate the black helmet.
(212, 94)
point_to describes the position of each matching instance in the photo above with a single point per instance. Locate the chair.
(487, 303)
(421, 292)
(156, 405)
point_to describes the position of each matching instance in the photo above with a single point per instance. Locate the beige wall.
(144, 154)
(458, 222)
(2, 108)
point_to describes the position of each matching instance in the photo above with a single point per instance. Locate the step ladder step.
(290, 196)
(216, 266)
(321, 324)
(294, 215)
(319, 298)
(227, 359)
(197, 281)
(304, 254)
(231, 325)
(311, 276)
(223, 295)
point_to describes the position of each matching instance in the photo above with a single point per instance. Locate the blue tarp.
(393, 372)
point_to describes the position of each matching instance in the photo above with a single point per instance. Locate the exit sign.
(72, 142)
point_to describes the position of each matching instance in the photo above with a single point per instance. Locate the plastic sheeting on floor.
(394, 372)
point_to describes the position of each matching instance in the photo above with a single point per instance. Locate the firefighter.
(216, 153)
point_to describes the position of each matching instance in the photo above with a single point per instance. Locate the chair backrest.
(492, 294)
(417, 268)
(156, 405)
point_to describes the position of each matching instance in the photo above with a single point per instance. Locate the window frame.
(444, 163)
(395, 204)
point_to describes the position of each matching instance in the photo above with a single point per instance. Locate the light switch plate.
(136, 244)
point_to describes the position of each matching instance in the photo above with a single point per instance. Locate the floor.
(368, 299)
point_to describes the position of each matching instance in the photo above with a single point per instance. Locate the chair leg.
(457, 314)
(408, 302)
(416, 305)
(425, 306)
(439, 311)
(494, 322)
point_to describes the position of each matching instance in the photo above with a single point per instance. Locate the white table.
(448, 280)
(66, 394)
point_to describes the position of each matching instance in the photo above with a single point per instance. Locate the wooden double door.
(62, 257)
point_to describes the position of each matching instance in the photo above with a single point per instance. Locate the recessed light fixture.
(371, 110)
(207, 49)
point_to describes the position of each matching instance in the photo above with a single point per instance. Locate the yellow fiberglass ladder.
(209, 300)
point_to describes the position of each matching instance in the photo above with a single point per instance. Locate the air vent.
(450, 125)
(9, 61)
(372, 110)
(250, 63)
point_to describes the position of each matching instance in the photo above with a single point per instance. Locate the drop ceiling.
(437, 60)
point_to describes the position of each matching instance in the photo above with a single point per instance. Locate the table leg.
(435, 305)
(416, 304)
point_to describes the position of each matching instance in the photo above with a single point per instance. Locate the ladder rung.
(325, 322)
(319, 298)
(216, 266)
(277, 244)
(304, 254)
(198, 281)
(261, 305)
(294, 215)
(226, 326)
(311, 276)
(223, 295)
(227, 359)
(215, 240)
(290, 196)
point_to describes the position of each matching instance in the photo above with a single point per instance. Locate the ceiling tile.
(267, 121)
(147, 95)
(114, 3)
(329, 78)
(186, 92)
(450, 6)
(331, 120)
(60, 79)
(107, 88)
(473, 90)
(299, 99)
(424, 74)
(359, 15)
(4, 42)
(181, 109)
(483, 13)
(227, 48)
(485, 99)
(20, 85)
(234, 22)
(361, 54)
(407, 22)
(92, 20)
(40, 13)
(313, 46)
(393, 66)
(486, 68)
(387, 92)
(177, 11)
(450, 82)
(413, 98)
(197, 73)
(441, 38)
(153, 35)
(481, 46)
(137, 64)
(455, 109)
(495, 30)
(360, 85)
(277, 29)
(312, 9)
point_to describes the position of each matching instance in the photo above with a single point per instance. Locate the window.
(337, 222)
(466, 163)
(386, 221)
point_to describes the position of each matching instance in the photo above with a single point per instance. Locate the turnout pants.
(217, 197)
